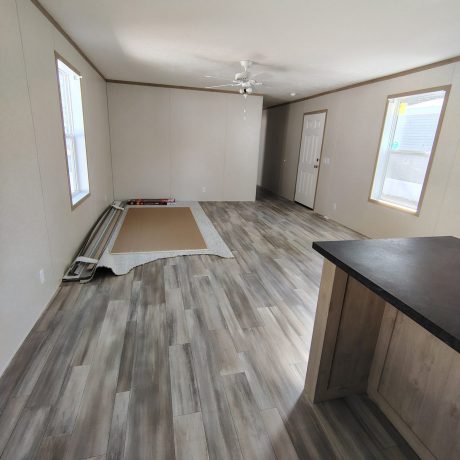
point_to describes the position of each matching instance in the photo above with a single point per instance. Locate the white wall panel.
(191, 145)
(140, 138)
(198, 126)
(242, 141)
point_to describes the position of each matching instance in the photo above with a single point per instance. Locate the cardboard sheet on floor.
(122, 262)
(158, 229)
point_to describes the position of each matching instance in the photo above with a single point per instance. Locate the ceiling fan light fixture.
(242, 80)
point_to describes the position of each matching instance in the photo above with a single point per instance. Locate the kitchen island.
(388, 323)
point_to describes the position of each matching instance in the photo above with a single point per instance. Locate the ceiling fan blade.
(218, 78)
(260, 75)
(221, 86)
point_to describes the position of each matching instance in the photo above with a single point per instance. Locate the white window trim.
(78, 196)
(414, 212)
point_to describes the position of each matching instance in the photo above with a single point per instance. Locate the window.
(409, 135)
(74, 130)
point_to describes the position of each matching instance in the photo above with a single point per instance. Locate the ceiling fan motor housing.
(241, 76)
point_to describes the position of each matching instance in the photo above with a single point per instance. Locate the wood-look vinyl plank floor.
(192, 357)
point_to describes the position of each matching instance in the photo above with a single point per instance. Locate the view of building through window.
(406, 147)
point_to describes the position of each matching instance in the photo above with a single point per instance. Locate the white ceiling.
(300, 46)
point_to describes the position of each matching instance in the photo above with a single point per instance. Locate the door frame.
(314, 112)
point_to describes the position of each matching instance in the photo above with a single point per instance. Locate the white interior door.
(310, 157)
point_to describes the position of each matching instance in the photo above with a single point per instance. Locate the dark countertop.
(418, 276)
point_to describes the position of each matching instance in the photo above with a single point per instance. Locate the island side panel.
(347, 324)
(327, 319)
(415, 382)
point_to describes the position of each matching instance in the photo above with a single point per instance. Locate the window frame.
(415, 212)
(59, 57)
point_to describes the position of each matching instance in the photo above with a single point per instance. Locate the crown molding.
(373, 80)
(160, 85)
(58, 26)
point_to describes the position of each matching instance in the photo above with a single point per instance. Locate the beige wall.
(191, 145)
(351, 140)
(38, 228)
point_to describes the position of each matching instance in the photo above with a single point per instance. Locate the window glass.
(74, 131)
(406, 146)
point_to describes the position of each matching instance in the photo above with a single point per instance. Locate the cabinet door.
(415, 380)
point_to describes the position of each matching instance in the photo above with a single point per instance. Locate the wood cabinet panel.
(416, 382)
(347, 324)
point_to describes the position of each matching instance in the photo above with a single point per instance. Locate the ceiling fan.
(242, 79)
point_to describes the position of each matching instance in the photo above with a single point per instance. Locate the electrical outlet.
(203, 189)
(334, 206)
(41, 274)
